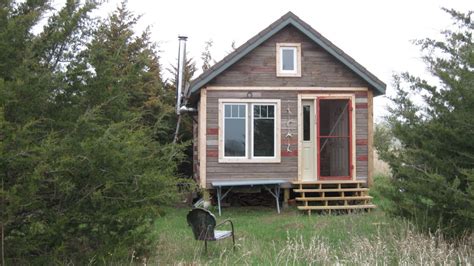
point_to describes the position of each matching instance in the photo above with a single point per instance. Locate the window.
(263, 130)
(249, 131)
(307, 123)
(288, 59)
(235, 130)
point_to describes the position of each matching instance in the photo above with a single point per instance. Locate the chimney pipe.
(180, 79)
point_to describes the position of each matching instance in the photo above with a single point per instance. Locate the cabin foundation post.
(207, 198)
(286, 197)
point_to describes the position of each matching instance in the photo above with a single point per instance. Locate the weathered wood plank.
(319, 68)
(202, 138)
(258, 69)
(337, 207)
(370, 122)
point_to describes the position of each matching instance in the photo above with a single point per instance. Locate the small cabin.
(287, 105)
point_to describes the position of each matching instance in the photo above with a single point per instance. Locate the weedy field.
(267, 238)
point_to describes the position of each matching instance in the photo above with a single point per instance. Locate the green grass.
(265, 237)
(260, 228)
(381, 184)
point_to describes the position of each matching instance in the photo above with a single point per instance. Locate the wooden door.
(309, 140)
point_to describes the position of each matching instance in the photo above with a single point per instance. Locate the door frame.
(315, 96)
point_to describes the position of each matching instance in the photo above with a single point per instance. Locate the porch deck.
(328, 195)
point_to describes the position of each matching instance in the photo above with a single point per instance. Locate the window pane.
(242, 111)
(271, 111)
(264, 137)
(228, 110)
(234, 137)
(287, 59)
(234, 132)
(235, 110)
(334, 156)
(263, 111)
(306, 123)
(256, 111)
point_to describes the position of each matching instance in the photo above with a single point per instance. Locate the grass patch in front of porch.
(265, 237)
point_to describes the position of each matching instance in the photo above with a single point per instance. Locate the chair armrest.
(227, 221)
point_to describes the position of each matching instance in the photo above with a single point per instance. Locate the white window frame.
(249, 158)
(296, 47)
(252, 152)
(246, 118)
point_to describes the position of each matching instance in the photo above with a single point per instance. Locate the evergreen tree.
(129, 65)
(185, 128)
(432, 151)
(85, 156)
(32, 88)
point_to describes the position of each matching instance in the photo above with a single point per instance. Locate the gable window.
(288, 59)
(249, 130)
(288, 56)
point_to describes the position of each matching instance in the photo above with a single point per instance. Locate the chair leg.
(233, 241)
(205, 246)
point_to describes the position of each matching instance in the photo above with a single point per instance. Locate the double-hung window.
(249, 131)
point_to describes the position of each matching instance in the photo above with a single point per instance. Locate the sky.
(378, 34)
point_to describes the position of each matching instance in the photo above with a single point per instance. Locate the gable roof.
(288, 19)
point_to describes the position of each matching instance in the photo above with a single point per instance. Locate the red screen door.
(334, 139)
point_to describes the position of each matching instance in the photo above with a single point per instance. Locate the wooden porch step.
(330, 193)
(336, 207)
(333, 198)
(331, 190)
(323, 182)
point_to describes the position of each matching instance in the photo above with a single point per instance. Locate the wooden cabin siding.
(258, 69)
(195, 149)
(319, 68)
(287, 169)
(362, 136)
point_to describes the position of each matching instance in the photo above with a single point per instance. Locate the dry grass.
(296, 239)
(410, 248)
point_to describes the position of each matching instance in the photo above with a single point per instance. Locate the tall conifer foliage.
(432, 155)
(86, 161)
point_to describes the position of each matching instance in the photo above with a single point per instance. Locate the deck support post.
(286, 197)
(206, 195)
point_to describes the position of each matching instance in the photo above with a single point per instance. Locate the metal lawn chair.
(203, 224)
